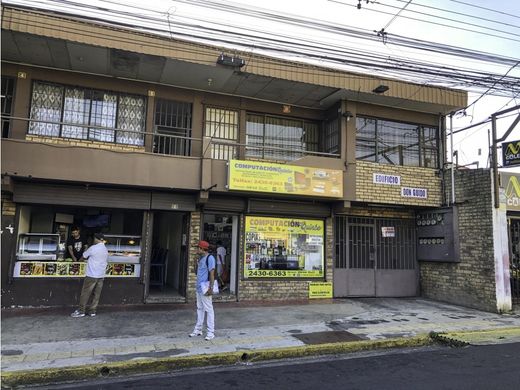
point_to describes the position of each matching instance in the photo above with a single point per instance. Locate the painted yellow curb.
(488, 336)
(144, 366)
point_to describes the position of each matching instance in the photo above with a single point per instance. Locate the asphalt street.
(473, 367)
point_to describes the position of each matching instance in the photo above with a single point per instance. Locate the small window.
(7, 104)
(221, 126)
(172, 127)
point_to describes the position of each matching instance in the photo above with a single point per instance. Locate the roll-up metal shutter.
(310, 209)
(225, 203)
(80, 196)
(173, 202)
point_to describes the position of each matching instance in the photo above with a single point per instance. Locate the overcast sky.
(495, 29)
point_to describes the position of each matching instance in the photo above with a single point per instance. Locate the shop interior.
(43, 232)
(169, 257)
(222, 228)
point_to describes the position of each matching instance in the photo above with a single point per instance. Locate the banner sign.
(511, 153)
(511, 184)
(284, 179)
(320, 290)
(65, 269)
(283, 248)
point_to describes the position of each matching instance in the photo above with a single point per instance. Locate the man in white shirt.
(97, 259)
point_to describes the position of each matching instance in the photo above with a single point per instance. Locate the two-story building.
(304, 174)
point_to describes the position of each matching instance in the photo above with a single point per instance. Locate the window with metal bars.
(396, 143)
(221, 125)
(73, 112)
(277, 138)
(7, 104)
(173, 125)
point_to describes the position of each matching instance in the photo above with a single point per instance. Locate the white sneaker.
(209, 336)
(77, 314)
(195, 333)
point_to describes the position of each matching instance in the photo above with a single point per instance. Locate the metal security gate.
(514, 242)
(375, 257)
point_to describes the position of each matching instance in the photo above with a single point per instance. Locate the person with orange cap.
(205, 273)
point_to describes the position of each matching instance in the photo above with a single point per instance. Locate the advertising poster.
(63, 269)
(283, 248)
(284, 179)
(510, 153)
(320, 290)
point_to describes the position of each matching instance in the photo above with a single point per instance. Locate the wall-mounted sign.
(320, 290)
(284, 179)
(408, 192)
(388, 231)
(511, 184)
(381, 178)
(66, 269)
(283, 248)
(511, 153)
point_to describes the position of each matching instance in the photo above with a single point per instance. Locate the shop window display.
(283, 247)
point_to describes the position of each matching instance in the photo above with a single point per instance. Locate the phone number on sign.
(267, 273)
(261, 273)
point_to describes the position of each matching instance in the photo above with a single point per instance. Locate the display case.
(123, 249)
(38, 247)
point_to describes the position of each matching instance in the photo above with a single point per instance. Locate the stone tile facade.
(471, 282)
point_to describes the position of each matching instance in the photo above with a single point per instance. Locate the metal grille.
(7, 104)
(331, 136)
(222, 126)
(173, 127)
(360, 243)
(514, 240)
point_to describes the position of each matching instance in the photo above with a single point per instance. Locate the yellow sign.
(511, 183)
(320, 290)
(283, 248)
(284, 179)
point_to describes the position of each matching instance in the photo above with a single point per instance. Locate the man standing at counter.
(205, 273)
(76, 244)
(97, 259)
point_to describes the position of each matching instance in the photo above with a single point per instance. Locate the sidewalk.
(49, 345)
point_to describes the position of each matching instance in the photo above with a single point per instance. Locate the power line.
(396, 15)
(484, 8)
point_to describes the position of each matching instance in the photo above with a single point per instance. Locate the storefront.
(147, 246)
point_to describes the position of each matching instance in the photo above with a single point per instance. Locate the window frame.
(317, 146)
(115, 131)
(224, 148)
(421, 143)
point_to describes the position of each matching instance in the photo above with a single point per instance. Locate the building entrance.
(375, 257)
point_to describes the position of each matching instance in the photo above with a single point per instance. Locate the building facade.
(309, 177)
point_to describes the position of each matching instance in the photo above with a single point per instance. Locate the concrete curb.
(476, 337)
(160, 365)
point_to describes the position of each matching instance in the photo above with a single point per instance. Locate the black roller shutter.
(292, 207)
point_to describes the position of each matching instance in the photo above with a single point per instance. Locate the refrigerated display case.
(123, 249)
(38, 247)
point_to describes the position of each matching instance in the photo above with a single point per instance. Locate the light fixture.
(381, 89)
(230, 61)
(286, 109)
(348, 115)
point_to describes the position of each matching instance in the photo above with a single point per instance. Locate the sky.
(483, 25)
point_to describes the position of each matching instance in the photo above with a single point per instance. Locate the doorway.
(375, 257)
(514, 250)
(220, 230)
(168, 258)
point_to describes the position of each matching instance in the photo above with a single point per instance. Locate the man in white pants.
(205, 272)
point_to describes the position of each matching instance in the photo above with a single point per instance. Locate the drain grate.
(334, 336)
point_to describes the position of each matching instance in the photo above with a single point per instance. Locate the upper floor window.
(172, 127)
(276, 138)
(221, 126)
(396, 143)
(7, 104)
(57, 110)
